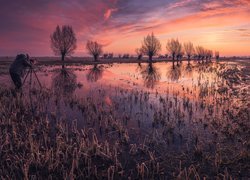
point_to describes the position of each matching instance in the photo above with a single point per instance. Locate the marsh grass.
(189, 133)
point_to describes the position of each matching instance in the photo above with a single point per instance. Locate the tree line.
(63, 43)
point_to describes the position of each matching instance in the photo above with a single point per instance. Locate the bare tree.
(201, 53)
(110, 55)
(189, 49)
(151, 46)
(139, 53)
(125, 56)
(208, 55)
(63, 41)
(94, 49)
(179, 54)
(217, 55)
(174, 48)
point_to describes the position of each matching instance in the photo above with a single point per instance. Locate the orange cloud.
(109, 12)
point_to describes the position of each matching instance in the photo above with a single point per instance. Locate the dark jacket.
(20, 64)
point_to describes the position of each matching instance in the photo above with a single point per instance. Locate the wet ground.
(192, 113)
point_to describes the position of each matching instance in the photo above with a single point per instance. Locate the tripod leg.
(30, 78)
(26, 76)
(37, 79)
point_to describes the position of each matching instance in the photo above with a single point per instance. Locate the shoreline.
(50, 61)
(90, 61)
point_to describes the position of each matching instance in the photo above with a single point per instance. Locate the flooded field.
(143, 121)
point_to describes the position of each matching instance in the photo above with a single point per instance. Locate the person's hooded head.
(22, 56)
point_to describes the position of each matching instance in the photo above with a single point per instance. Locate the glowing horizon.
(121, 25)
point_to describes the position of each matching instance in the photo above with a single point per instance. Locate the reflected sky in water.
(146, 98)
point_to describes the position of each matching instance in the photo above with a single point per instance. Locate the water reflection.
(64, 82)
(174, 74)
(193, 97)
(202, 68)
(95, 73)
(189, 70)
(139, 67)
(150, 75)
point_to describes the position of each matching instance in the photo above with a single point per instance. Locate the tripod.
(30, 73)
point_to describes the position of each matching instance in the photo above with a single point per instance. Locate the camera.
(33, 61)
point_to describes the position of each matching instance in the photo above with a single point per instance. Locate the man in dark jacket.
(17, 69)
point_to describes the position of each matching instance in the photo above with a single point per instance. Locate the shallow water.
(177, 107)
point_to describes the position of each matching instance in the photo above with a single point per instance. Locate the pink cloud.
(109, 12)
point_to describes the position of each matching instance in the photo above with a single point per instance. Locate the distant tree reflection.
(64, 82)
(189, 70)
(139, 67)
(95, 73)
(150, 75)
(174, 74)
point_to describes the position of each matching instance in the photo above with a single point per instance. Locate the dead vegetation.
(189, 133)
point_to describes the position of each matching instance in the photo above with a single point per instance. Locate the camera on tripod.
(32, 61)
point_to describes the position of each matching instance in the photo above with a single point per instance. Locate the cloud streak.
(26, 25)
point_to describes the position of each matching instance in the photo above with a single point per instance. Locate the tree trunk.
(95, 57)
(150, 58)
(173, 60)
(63, 57)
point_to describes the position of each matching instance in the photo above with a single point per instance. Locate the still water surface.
(174, 106)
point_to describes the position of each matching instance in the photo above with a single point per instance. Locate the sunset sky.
(120, 25)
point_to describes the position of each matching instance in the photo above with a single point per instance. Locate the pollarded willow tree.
(139, 53)
(217, 55)
(174, 47)
(201, 53)
(94, 49)
(179, 54)
(63, 41)
(151, 46)
(189, 50)
(208, 55)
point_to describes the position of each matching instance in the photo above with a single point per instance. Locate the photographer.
(17, 68)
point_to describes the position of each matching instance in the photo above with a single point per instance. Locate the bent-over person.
(17, 69)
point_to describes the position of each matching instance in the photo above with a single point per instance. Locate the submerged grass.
(38, 144)
(34, 147)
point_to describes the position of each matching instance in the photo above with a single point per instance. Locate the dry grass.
(39, 144)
